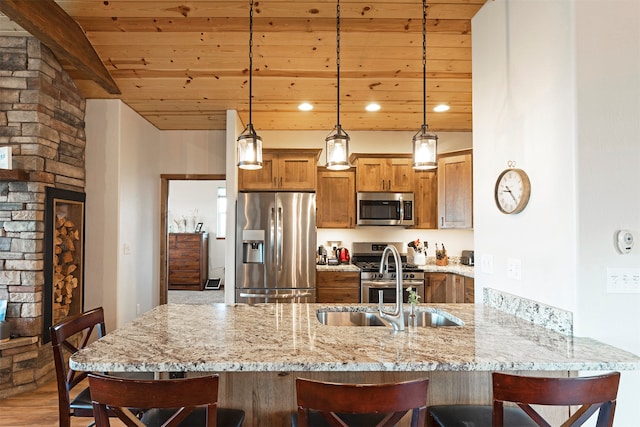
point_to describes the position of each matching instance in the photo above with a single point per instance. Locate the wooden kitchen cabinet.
(387, 173)
(455, 190)
(188, 261)
(426, 199)
(448, 288)
(336, 199)
(338, 286)
(282, 169)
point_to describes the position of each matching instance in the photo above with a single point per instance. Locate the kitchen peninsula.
(259, 350)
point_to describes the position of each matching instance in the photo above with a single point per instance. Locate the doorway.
(184, 220)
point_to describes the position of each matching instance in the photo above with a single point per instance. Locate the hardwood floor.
(37, 408)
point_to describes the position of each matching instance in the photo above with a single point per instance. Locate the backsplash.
(454, 240)
(553, 318)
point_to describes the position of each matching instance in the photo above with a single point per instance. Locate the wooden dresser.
(188, 261)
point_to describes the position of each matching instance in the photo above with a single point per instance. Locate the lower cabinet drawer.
(338, 295)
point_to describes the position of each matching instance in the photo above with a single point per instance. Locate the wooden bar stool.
(592, 394)
(381, 405)
(191, 402)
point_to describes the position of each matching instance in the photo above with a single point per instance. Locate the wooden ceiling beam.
(50, 24)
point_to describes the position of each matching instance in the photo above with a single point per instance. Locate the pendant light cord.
(250, 59)
(338, 61)
(424, 63)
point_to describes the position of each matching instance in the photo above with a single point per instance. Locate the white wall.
(191, 152)
(122, 254)
(139, 248)
(556, 88)
(608, 156)
(102, 188)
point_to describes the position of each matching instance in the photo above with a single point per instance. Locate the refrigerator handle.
(272, 235)
(279, 226)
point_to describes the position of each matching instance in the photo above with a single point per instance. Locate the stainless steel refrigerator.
(276, 247)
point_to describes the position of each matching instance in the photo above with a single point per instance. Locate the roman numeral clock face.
(512, 191)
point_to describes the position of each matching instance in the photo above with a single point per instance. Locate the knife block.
(443, 261)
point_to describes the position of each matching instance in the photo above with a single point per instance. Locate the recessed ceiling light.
(372, 107)
(441, 108)
(305, 106)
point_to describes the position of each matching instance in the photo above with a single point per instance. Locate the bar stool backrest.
(334, 401)
(592, 394)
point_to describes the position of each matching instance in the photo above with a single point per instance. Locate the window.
(221, 204)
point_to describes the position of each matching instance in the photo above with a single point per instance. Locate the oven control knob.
(412, 275)
(379, 275)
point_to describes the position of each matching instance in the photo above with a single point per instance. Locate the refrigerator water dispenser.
(253, 246)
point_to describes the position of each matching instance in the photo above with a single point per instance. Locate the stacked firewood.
(65, 263)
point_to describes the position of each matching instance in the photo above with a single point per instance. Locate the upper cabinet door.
(260, 179)
(336, 199)
(386, 173)
(297, 171)
(455, 191)
(401, 174)
(371, 174)
(426, 199)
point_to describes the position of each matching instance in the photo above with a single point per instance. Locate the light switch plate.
(514, 268)
(623, 280)
(486, 263)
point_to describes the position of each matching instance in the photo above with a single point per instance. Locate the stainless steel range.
(366, 256)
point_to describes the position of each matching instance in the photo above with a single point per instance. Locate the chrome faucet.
(395, 317)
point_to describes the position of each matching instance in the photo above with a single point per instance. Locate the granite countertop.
(288, 337)
(429, 267)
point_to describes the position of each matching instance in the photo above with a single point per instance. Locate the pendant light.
(424, 142)
(338, 142)
(249, 143)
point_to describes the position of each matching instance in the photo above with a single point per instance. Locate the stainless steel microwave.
(385, 209)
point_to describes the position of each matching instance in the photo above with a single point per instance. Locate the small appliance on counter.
(467, 258)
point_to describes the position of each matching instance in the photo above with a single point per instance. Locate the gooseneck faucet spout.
(395, 317)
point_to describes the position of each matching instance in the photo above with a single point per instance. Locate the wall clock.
(512, 190)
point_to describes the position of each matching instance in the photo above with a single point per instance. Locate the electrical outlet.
(623, 280)
(486, 263)
(514, 268)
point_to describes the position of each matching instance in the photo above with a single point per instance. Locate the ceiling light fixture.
(372, 107)
(424, 142)
(441, 108)
(305, 106)
(338, 142)
(249, 143)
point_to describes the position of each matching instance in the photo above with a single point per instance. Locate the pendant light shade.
(249, 149)
(337, 144)
(249, 143)
(424, 149)
(425, 143)
(337, 149)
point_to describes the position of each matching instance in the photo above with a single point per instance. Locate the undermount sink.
(426, 318)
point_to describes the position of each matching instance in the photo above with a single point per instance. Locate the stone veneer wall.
(42, 119)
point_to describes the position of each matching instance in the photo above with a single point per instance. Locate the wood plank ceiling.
(181, 64)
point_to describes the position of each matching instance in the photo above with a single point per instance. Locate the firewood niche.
(64, 256)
